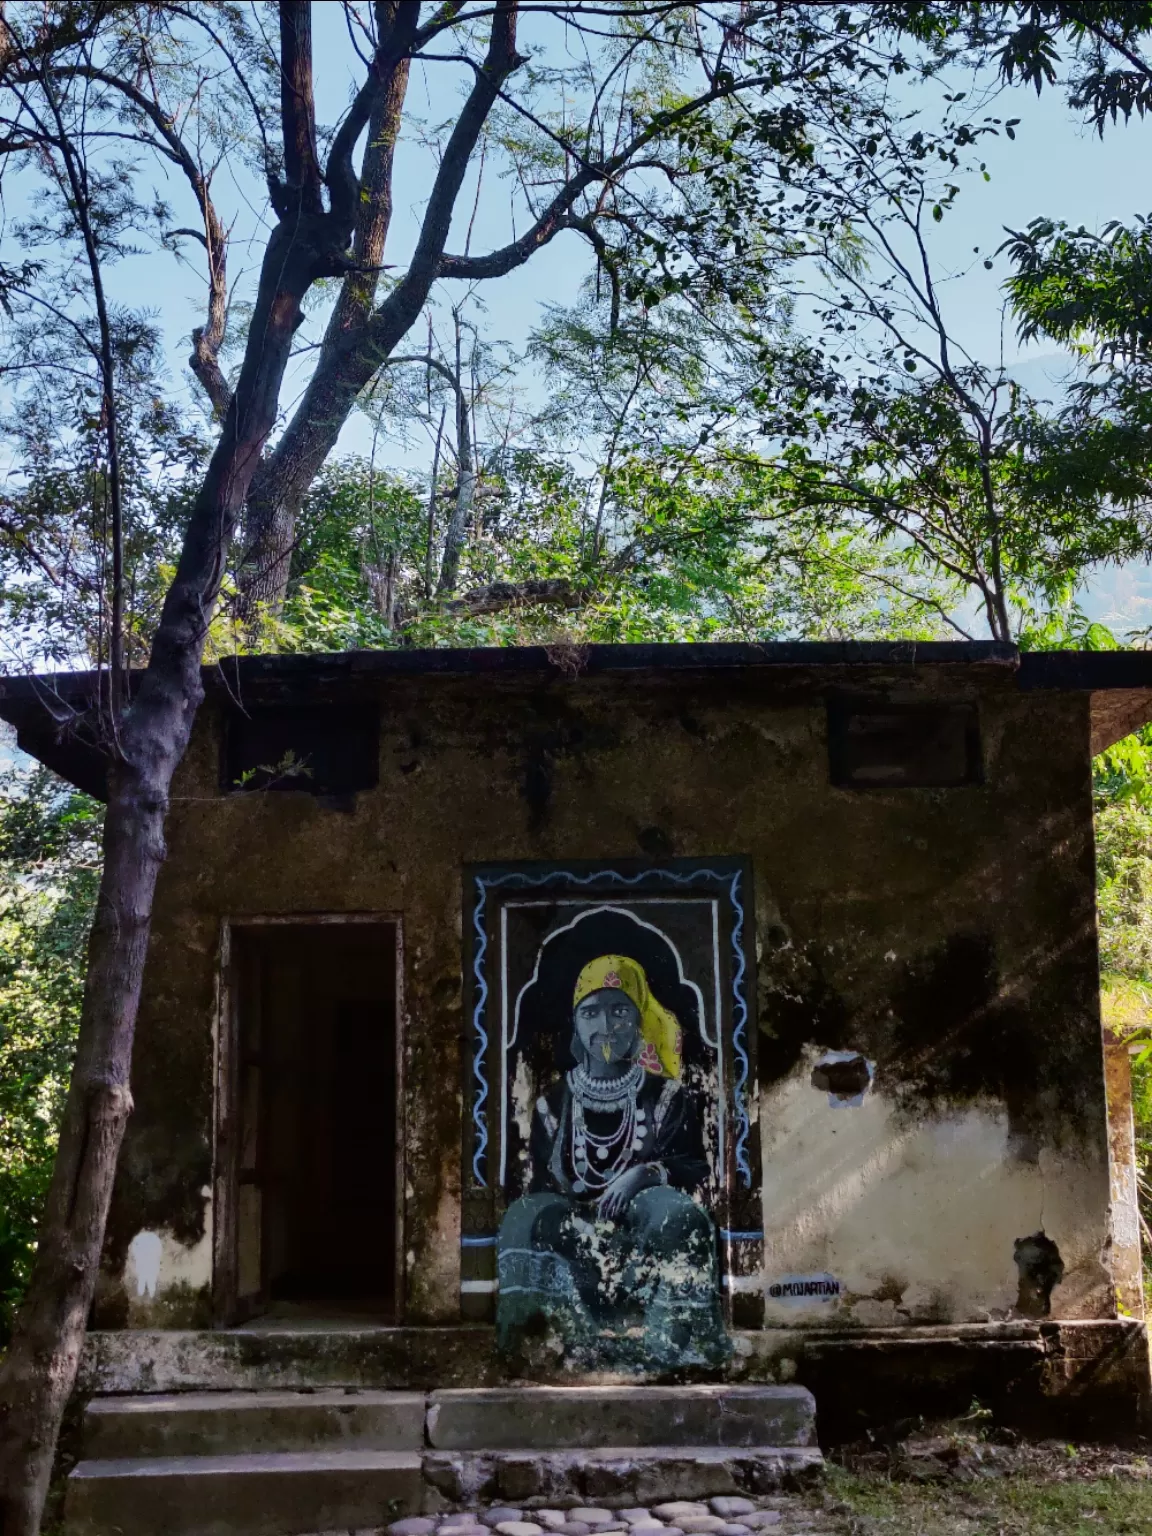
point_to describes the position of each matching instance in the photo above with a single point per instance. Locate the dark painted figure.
(609, 1247)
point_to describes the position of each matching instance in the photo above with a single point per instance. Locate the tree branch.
(207, 338)
(396, 21)
(557, 215)
(498, 596)
(298, 109)
(499, 62)
(354, 347)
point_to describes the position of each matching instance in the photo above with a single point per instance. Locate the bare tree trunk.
(274, 500)
(39, 1371)
(359, 340)
(266, 561)
(387, 598)
(76, 173)
(465, 481)
(430, 545)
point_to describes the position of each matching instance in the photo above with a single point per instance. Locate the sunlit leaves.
(49, 868)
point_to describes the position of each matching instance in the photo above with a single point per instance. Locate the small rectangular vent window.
(904, 746)
(317, 750)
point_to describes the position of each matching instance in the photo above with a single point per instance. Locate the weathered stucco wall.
(946, 935)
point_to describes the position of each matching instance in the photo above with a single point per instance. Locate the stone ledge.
(1082, 1376)
(616, 1477)
(547, 1418)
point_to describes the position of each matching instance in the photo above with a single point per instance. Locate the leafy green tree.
(688, 549)
(55, 533)
(1087, 289)
(890, 425)
(1093, 293)
(1123, 796)
(49, 871)
(978, 486)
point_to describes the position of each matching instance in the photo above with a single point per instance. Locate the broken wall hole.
(1041, 1270)
(845, 1076)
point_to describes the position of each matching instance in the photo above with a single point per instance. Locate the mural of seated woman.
(609, 1250)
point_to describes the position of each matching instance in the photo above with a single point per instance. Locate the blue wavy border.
(740, 1037)
(485, 883)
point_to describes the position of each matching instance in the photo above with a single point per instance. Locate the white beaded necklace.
(602, 1095)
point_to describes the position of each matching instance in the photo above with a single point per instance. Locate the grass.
(1016, 1505)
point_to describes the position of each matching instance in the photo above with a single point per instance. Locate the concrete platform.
(242, 1423)
(1067, 1377)
(567, 1418)
(257, 1495)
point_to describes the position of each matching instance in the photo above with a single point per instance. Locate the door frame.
(227, 1127)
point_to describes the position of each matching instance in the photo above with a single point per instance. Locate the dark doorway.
(317, 1175)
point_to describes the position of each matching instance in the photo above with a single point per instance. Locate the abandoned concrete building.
(714, 1021)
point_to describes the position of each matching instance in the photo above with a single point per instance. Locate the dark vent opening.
(318, 751)
(912, 746)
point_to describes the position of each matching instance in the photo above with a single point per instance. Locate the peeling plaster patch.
(937, 1204)
(845, 1076)
(157, 1262)
(522, 1106)
(1041, 1271)
(440, 1262)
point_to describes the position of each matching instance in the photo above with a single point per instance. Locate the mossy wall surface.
(945, 935)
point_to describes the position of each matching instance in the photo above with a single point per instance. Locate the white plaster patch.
(144, 1254)
(917, 1220)
(156, 1262)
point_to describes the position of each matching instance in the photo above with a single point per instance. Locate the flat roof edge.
(1072, 671)
(566, 660)
(1085, 671)
(576, 660)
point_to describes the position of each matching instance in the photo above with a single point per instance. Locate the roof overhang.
(54, 715)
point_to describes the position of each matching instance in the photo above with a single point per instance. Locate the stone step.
(257, 1495)
(238, 1423)
(616, 1477)
(285, 1354)
(566, 1418)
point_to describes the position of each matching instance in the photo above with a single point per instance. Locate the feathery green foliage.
(49, 872)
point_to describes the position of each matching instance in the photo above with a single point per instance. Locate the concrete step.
(616, 1477)
(237, 1423)
(567, 1418)
(257, 1495)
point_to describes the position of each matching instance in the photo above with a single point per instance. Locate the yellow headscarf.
(660, 1029)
